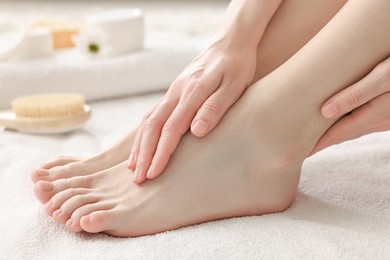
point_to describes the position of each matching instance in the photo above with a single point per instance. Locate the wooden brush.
(46, 114)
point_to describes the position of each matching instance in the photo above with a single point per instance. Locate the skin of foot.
(244, 167)
(66, 167)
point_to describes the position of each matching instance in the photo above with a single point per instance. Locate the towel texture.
(149, 70)
(342, 210)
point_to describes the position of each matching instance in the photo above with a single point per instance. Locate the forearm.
(245, 22)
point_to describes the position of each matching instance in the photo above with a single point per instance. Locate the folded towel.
(149, 70)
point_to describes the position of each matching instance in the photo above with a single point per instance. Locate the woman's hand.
(369, 101)
(197, 99)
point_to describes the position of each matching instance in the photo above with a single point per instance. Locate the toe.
(43, 172)
(58, 199)
(63, 214)
(58, 172)
(86, 210)
(60, 161)
(45, 190)
(97, 221)
(68, 170)
(40, 174)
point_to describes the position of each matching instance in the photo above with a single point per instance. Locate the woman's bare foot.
(66, 167)
(248, 165)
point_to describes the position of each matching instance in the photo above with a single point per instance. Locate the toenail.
(46, 186)
(69, 222)
(149, 174)
(49, 204)
(43, 172)
(57, 212)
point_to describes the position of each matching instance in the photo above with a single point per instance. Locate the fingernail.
(330, 110)
(130, 162)
(136, 173)
(46, 186)
(200, 127)
(69, 222)
(149, 174)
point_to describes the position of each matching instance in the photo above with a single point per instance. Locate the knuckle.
(168, 102)
(171, 127)
(212, 106)
(152, 124)
(192, 89)
(146, 116)
(175, 87)
(355, 98)
(382, 74)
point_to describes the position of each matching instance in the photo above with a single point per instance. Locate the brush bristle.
(49, 105)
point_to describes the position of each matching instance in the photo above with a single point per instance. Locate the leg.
(291, 27)
(235, 172)
(285, 27)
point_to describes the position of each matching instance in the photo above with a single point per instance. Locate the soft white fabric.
(342, 210)
(149, 70)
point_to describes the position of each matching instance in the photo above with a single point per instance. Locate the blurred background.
(173, 32)
(196, 18)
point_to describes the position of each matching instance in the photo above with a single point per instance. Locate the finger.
(137, 140)
(150, 135)
(172, 93)
(171, 134)
(352, 97)
(214, 108)
(345, 129)
(369, 118)
(176, 124)
(134, 149)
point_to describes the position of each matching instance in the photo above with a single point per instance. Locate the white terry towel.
(149, 70)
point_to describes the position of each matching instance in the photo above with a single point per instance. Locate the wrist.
(244, 22)
(234, 37)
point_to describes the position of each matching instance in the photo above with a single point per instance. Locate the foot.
(249, 165)
(66, 167)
